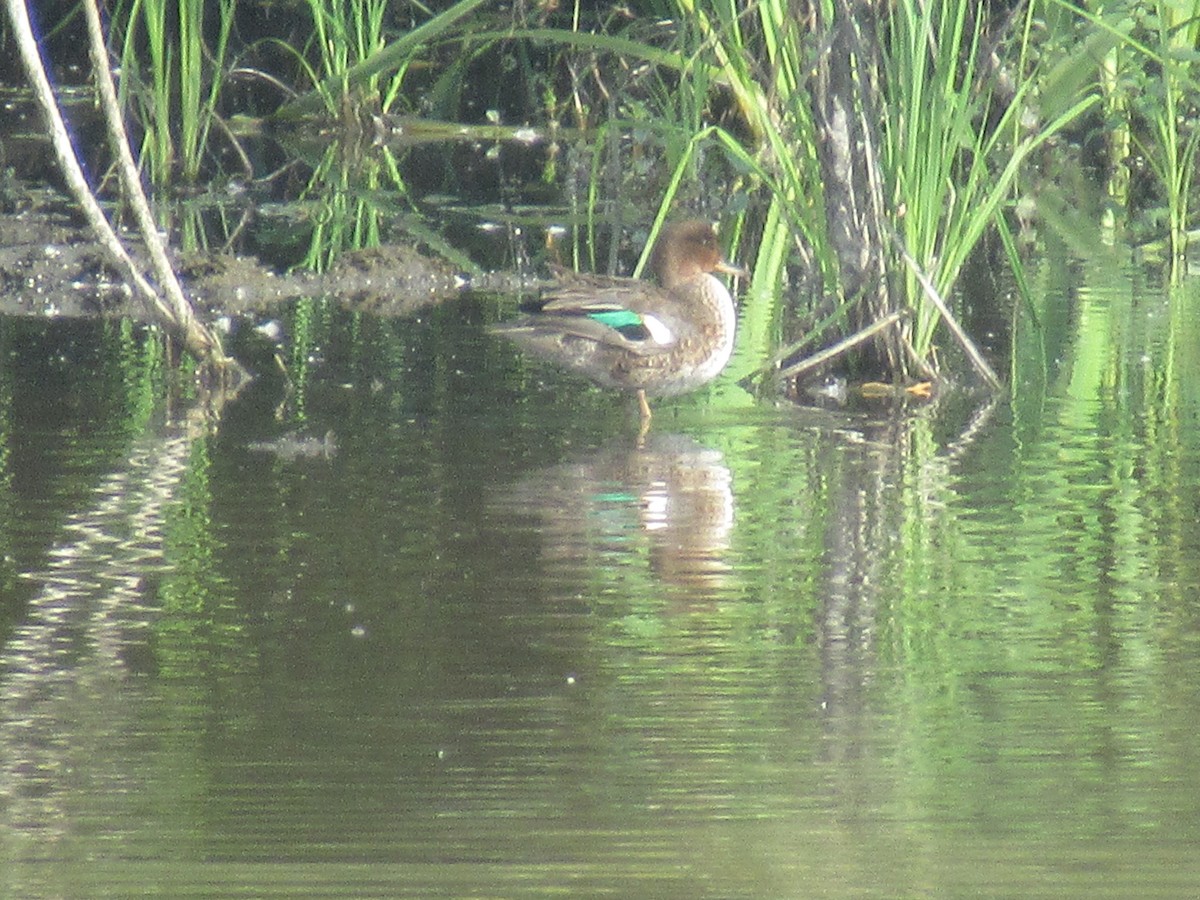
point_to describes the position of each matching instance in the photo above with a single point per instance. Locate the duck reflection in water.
(669, 491)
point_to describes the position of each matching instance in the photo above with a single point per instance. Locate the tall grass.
(1174, 132)
(347, 32)
(949, 147)
(174, 86)
(1144, 57)
(763, 55)
(354, 55)
(952, 146)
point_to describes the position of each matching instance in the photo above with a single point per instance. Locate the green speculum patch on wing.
(635, 326)
(626, 321)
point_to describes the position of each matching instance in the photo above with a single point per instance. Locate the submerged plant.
(344, 204)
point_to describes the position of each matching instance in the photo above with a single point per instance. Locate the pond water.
(479, 641)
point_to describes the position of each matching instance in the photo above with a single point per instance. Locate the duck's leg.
(644, 407)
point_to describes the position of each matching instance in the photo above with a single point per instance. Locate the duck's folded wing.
(644, 318)
(618, 329)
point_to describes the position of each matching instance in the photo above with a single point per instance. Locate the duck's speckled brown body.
(661, 339)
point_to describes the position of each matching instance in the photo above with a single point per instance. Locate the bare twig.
(65, 153)
(174, 311)
(833, 351)
(923, 366)
(236, 145)
(197, 338)
(980, 364)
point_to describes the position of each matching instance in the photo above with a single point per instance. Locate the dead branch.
(173, 310)
(976, 359)
(832, 352)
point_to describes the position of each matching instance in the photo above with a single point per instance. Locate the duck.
(660, 339)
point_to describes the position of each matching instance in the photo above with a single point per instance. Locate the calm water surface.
(487, 645)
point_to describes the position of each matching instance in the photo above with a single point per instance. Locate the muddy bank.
(50, 266)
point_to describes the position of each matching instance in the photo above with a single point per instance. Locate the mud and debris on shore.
(50, 266)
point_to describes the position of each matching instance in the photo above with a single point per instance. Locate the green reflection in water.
(493, 645)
